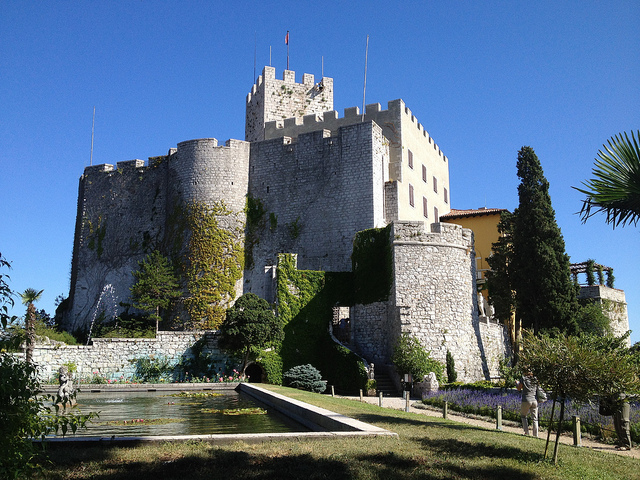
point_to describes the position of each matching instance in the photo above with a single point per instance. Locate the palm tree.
(615, 188)
(29, 297)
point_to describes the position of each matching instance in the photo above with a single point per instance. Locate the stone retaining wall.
(114, 358)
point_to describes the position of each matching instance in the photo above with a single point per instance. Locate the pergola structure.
(595, 269)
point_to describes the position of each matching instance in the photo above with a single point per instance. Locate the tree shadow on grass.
(219, 464)
(224, 464)
(471, 449)
(390, 466)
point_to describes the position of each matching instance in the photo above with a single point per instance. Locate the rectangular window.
(411, 202)
(446, 195)
(424, 174)
(410, 159)
(435, 184)
(425, 207)
(435, 214)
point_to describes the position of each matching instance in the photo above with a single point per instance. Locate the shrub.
(410, 357)
(24, 416)
(305, 377)
(271, 363)
(151, 369)
(452, 375)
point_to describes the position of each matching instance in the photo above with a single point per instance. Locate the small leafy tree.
(250, 326)
(410, 357)
(29, 297)
(592, 320)
(305, 377)
(580, 367)
(156, 285)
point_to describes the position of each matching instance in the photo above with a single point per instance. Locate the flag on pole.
(286, 41)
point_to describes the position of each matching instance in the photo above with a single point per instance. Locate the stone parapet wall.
(113, 358)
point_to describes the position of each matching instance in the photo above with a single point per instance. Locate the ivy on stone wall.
(305, 306)
(97, 231)
(372, 265)
(255, 223)
(214, 262)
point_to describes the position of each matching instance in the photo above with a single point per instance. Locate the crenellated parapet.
(392, 120)
(274, 99)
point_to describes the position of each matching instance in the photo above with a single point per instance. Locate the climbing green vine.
(214, 262)
(97, 231)
(305, 306)
(372, 265)
(255, 212)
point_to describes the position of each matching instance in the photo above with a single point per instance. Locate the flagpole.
(93, 124)
(364, 91)
(287, 40)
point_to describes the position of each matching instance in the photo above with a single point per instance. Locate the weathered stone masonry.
(432, 298)
(115, 357)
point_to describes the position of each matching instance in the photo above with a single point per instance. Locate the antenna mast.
(364, 91)
(93, 124)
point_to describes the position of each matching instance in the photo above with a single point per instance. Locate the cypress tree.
(545, 295)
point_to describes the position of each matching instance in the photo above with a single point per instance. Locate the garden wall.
(113, 358)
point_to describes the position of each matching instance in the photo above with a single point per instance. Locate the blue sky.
(484, 78)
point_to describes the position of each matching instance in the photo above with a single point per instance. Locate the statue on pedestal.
(66, 394)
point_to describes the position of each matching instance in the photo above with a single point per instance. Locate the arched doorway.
(254, 373)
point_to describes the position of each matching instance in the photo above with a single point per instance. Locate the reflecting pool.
(167, 413)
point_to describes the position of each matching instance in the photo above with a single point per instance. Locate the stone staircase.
(385, 384)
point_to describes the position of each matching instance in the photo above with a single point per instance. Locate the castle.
(316, 179)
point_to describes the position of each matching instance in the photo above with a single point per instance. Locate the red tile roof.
(472, 213)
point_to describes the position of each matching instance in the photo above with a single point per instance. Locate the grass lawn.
(427, 448)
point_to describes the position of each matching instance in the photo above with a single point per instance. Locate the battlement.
(396, 112)
(438, 234)
(137, 164)
(288, 80)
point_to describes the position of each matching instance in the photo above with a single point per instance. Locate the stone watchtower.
(276, 100)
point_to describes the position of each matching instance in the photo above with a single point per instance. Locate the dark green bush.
(452, 375)
(305, 377)
(271, 363)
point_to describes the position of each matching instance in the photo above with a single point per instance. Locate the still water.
(184, 415)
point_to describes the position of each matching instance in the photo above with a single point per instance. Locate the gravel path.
(415, 406)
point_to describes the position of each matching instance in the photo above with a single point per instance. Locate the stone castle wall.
(123, 215)
(120, 218)
(317, 192)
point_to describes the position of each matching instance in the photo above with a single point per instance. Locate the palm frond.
(30, 295)
(615, 187)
